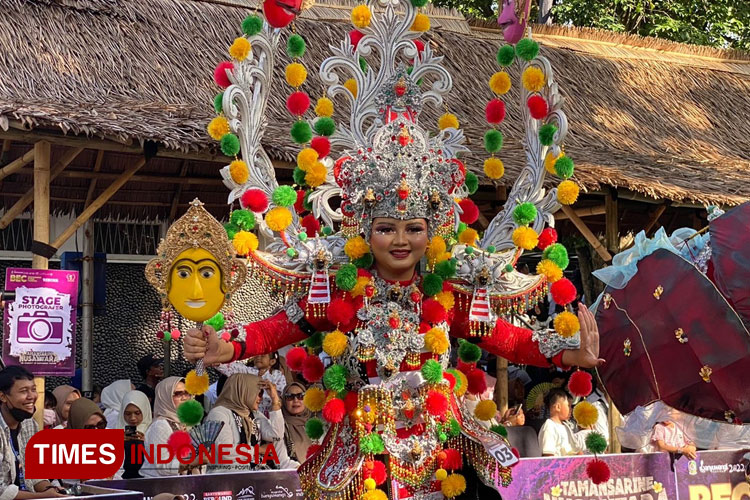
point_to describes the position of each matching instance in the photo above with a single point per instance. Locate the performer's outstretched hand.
(587, 356)
(205, 344)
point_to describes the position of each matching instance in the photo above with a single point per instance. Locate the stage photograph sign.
(39, 323)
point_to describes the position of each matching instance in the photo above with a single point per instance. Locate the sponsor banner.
(713, 475)
(39, 325)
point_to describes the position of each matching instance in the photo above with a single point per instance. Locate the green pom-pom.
(230, 145)
(325, 126)
(508, 268)
(491, 249)
(291, 252)
(443, 437)
(432, 284)
(231, 230)
(167, 336)
(327, 230)
(219, 102)
(432, 371)
(334, 378)
(284, 196)
(454, 429)
(252, 25)
(468, 352)
(469, 250)
(499, 430)
(299, 176)
(371, 444)
(547, 134)
(216, 321)
(363, 64)
(346, 277)
(558, 254)
(301, 132)
(295, 46)
(596, 443)
(408, 72)
(306, 201)
(505, 55)
(446, 269)
(314, 428)
(493, 141)
(419, 3)
(472, 182)
(364, 262)
(314, 341)
(524, 213)
(462, 227)
(527, 49)
(563, 167)
(302, 236)
(244, 219)
(190, 412)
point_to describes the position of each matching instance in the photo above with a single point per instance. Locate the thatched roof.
(666, 120)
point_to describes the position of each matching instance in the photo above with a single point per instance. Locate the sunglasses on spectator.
(290, 397)
(101, 425)
(181, 394)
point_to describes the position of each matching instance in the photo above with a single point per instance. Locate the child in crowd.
(667, 436)
(267, 367)
(555, 438)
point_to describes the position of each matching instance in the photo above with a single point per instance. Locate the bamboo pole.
(655, 217)
(582, 212)
(6, 151)
(612, 239)
(501, 386)
(92, 184)
(587, 234)
(19, 163)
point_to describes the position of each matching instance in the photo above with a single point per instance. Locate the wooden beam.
(5, 152)
(148, 178)
(147, 204)
(587, 234)
(98, 202)
(177, 193)
(583, 212)
(26, 199)
(41, 155)
(92, 184)
(655, 217)
(501, 385)
(18, 164)
(612, 222)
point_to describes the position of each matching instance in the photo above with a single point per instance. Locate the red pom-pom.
(355, 36)
(537, 107)
(477, 382)
(298, 103)
(334, 410)
(547, 237)
(375, 469)
(563, 291)
(311, 225)
(312, 369)
(276, 15)
(470, 211)
(436, 403)
(350, 401)
(341, 312)
(580, 384)
(312, 450)
(424, 327)
(465, 368)
(295, 357)
(433, 312)
(451, 379)
(254, 200)
(321, 145)
(180, 443)
(450, 459)
(495, 111)
(220, 74)
(598, 471)
(299, 204)
(419, 44)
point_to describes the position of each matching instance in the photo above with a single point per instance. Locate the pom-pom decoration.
(547, 134)
(334, 410)
(596, 443)
(436, 403)
(245, 243)
(335, 343)
(316, 175)
(240, 48)
(375, 495)
(276, 15)
(180, 443)
(312, 369)
(196, 384)
(567, 192)
(314, 399)
(450, 459)
(468, 352)
(356, 247)
(284, 196)
(325, 126)
(311, 225)
(216, 321)
(533, 79)
(468, 237)
(435, 250)
(351, 86)
(295, 357)
(547, 237)
(524, 213)
(493, 141)
(432, 284)
(295, 46)
(549, 162)
(307, 158)
(341, 312)
(361, 16)
(432, 371)
(566, 324)
(219, 102)
(579, 384)
(371, 444)
(470, 211)
(500, 83)
(230, 145)
(500, 430)
(494, 168)
(355, 36)
(453, 485)
(549, 270)
(238, 172)
(563, 291)
(494, 112)
(252, 25)
(334, 378)
(232, 230)
(598, 471)
(447, 120)
(218, 128)
(446, 269)
(558, 254)
(527, 49)
(471, 181)
(322, 145)
(375, 470)
(485, 410)
(295, 75)
(564, 167)
(441, 474)
(298, 175)
(190, 412)
(297, 104)
(279, 218)
(585, 414)
(436, 341)
(314, 428)
(220, 74)
(477, 381)
(301, 132)
(255, 200)
(506, 55)
(538, 107)
(324, 107)
(421, 23)
(346, 277)
(525, 237)
(433, 312)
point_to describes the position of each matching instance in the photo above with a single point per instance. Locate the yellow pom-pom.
(296, 74)
(306, 158)
(245, 242)
(239, 49)
(324, 107)
(238, 171)
(567, 324)
(361, 16)
(468, 237)
(218, 127)
(567, 192)
(453, 485)
(356, 247)
(196, 384)
(446, 299)
(585, 414)
(444, 256)
(461, 388)
(494, 168)
(500, 83)
(335, 343)
(278, 218)
(525, 237)
(448, 120)
(533, 79)
(441, 474)
(435, 249)
(549, 162)
(359, 288)
(370, 484)
(436, 341)
(549, 270)
(485, 409)
(315, 399)
(375, 495)
(351, 86)
(316, 174)
(421, 23)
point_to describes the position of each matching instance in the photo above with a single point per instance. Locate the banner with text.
(713, 475)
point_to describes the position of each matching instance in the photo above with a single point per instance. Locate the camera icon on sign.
(40, 327)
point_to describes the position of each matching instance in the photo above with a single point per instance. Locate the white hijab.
(140, 400)
(112, 397)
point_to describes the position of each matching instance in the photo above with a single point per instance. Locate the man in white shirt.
(555, 438)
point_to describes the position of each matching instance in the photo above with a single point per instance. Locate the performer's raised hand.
(587, 356)
(205, 344)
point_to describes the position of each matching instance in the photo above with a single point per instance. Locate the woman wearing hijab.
(170, 393)
(134, 417)
(112, 398)
(295, 417)
(85, 414)
(237, 408)
(65, 395)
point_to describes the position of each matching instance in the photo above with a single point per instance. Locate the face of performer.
(397, 246)
(132, 415)
(195, 288)
(293, 400)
